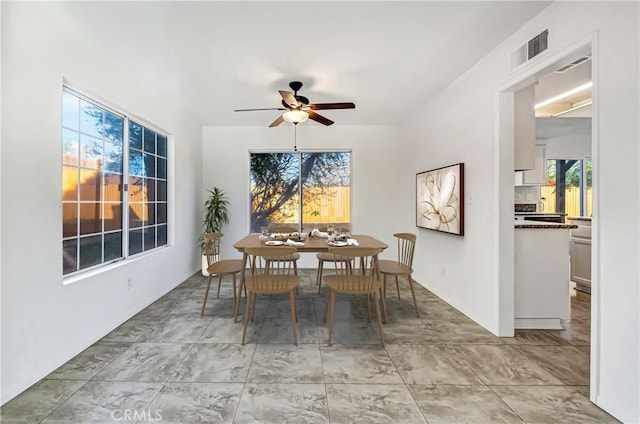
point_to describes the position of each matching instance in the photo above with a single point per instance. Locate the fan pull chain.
(295, 136)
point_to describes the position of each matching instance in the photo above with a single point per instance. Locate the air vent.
(573, 64)
(530, 49)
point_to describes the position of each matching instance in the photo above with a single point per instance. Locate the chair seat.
(225, 267)
(393, 268)
(353, 284)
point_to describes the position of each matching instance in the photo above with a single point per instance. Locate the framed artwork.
(440, 199)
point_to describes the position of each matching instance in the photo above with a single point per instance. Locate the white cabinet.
(525, 129)
(537, 175)
(541, 288)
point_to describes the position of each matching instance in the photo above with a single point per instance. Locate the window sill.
(81, 276)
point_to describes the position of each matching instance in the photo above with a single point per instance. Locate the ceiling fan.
(298, 109)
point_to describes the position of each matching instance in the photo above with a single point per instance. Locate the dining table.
(311, 245)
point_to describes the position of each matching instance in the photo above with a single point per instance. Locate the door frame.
(505, 191)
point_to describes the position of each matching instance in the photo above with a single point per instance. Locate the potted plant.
(216, 215)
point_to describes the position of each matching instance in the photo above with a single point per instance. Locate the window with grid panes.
(101, 223)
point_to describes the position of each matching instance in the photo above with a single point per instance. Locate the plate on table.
(337, 243)
(274, 243)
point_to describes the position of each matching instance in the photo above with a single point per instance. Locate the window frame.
(299, 152)
(127, 118)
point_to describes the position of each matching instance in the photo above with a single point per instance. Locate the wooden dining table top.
(311, 244)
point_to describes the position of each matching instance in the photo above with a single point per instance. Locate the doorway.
(506, 192)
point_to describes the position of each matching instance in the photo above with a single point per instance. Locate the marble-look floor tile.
(534, 337)
(576, 333)
(89, 362)
(583, 390)
(130, 331)
(195, 403)
(549, 404)
(282, 403)
(503, 364)
(281, 309)
(224, 330)
(105, 402)
(145, 362)
(439, 311)
(181, 292)
(281, 331)
(567, 363)
(285, 363)
(430, 364)
(158, 309)
(358, 364)
(463, 331)
(35, 403)
(227, 310)
(192, 306)
(215, 363)
(349, 331)
(412, 331)
(399, 311)
(177, 329)
(346, 308)
(448, 404)
(372, 403)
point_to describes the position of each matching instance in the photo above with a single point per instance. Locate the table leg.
(382, 298)
(242, 282)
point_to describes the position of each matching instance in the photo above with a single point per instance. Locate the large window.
(568, 189)
(300, 189)
(109, 210)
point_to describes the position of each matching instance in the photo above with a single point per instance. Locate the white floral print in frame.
(440, 199)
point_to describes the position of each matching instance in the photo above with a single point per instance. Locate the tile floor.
(169, 365)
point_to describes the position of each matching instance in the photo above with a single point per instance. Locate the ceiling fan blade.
(277, 122)
(319, 118)
(289, 98)
(323, 106)
(251, 110)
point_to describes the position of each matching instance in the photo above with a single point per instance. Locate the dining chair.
(271, 274)
(354, 280)
(218, 267)
(324, 257)
(403, 266)
(285, 229)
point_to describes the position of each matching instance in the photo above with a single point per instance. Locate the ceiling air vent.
(573, 64)
(530, 49)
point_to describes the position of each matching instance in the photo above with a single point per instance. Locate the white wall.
(377, 189)
(460, 124)
(45, 323)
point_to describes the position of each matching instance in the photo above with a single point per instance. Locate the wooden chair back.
(406, 247)
(355, 267)
(271, 261)
(212, 247)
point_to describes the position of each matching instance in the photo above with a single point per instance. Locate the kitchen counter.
(542, 225)
(579, 218)
(541, 213)
(542, 296)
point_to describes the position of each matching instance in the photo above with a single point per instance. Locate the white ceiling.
(215, 57)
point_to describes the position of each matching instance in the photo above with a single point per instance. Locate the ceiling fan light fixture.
(295, 116)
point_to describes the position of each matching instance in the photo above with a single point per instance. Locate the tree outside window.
(288, 187)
